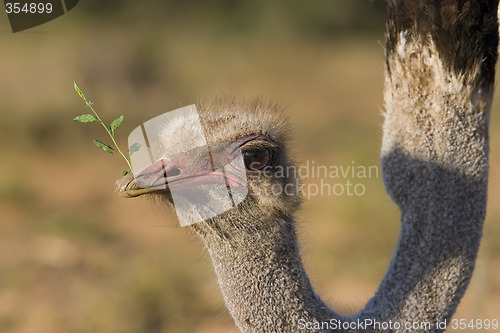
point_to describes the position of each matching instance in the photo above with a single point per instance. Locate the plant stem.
(89, 104)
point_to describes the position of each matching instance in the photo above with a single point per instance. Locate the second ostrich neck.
(438, 96)
(260, 273)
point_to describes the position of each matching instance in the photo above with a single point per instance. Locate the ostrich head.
(246, 141)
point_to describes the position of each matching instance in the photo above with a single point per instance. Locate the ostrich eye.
(256, 160)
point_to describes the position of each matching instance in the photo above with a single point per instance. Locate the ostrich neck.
(438, 89)
(441, 58)
(263, 280)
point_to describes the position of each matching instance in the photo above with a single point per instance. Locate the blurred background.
(75, 257)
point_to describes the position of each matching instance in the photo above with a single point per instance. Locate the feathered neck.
(263, 281)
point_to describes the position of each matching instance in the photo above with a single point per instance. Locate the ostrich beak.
(182, 174)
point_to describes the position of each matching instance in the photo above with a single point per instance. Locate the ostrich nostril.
(172, 172)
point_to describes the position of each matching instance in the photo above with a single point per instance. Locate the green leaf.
(133, 148)
(114, 125)
(78, 90)
(88, 103)
(104, 146)
(85, 118)
(126, 172)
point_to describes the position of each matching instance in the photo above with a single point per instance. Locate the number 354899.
(28, 8)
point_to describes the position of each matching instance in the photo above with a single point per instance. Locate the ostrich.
(440, 68)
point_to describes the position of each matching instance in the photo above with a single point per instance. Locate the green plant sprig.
(89, 118)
